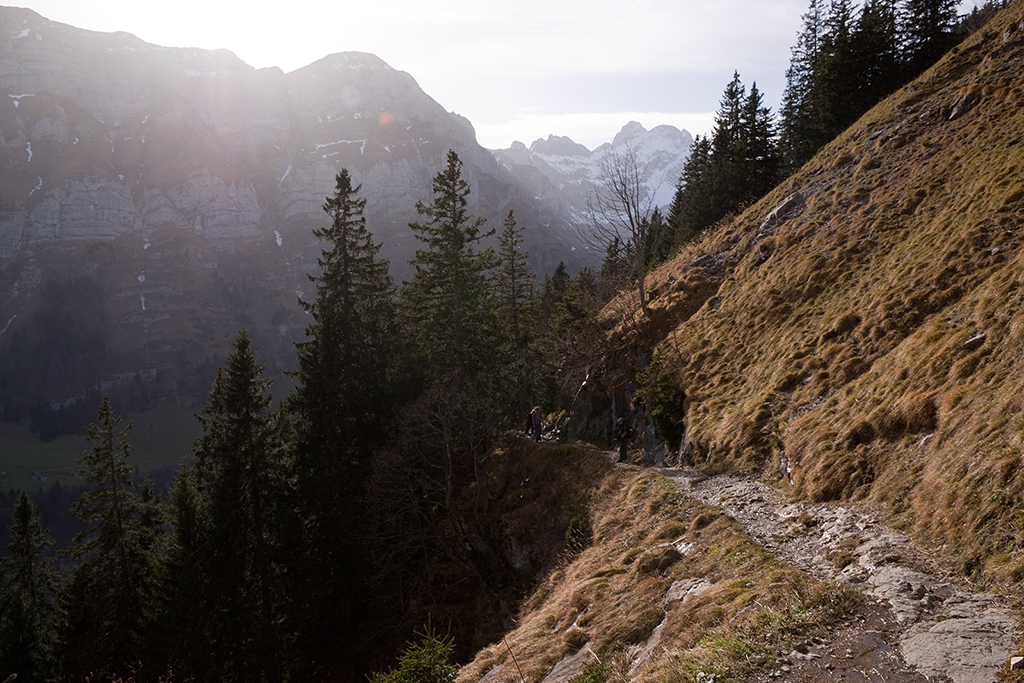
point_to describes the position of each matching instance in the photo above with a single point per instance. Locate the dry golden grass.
(875, 335)
(611, 599)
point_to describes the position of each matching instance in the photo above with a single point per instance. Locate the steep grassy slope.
(859, 330)
(668, 589)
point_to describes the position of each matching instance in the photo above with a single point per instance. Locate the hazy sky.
(517, 69)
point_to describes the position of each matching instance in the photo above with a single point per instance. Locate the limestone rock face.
(105, 134)
(172, 193)
(184, 186)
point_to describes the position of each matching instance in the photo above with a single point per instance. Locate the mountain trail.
(917, 622)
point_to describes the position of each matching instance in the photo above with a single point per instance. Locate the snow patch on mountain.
(563, 174)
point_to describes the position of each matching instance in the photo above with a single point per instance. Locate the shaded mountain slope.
(178, 189)
(857, 332)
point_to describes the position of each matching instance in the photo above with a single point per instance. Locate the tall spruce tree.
(449, 305)
(240, 461)
(727, 150)
(341, 408)
(103, 632)
(876, 53)
(28, 588)
(693, 207)
(659, 240)
(513, 281)
(179, 616)
(574, 323)
(614, 275)
(833, 97)
(928, 28)
(516, 311)
(555, 284)
(800, 134)
(449, 301)
(760, 156)
(738, 163)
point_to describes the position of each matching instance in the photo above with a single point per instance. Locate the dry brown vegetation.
(860, 326)
(871, 333)
(722, 605)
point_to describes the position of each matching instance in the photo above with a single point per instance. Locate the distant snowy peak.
(561, 174)
(559, 146)
(630, 132)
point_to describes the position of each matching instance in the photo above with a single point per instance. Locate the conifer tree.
(513, 280)
(28, 586)
(426, 661)
(800, 133)
(449, 300)
(611, 278)
(727, 150)
(659, 240)
(760, 158)
(876, 53)
(242, 475)
(341, 403)
(179, 618)
(341, 408)
(835, 80)
(693, 208)
(556, 284)
(928, 28)
(516, 310)
(449, 307)
(103, 628)
(576, 313)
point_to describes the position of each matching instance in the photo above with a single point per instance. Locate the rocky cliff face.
(104, 135)
(182, 186)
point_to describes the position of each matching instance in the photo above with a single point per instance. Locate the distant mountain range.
(182, 186)
(559, 174)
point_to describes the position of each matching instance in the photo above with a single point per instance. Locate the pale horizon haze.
(517, 71)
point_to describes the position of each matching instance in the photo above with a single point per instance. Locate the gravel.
(917, 622)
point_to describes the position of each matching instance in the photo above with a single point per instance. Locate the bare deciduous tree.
(620, 207)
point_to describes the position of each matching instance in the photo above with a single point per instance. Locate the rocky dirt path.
(917, 622)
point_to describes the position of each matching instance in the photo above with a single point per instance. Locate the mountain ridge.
(563, 175)
(183, 185)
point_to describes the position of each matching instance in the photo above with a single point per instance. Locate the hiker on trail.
(529, 423)
(535, 423)
(623, 433)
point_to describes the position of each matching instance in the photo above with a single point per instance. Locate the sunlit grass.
(715, 607)
(875, 337)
